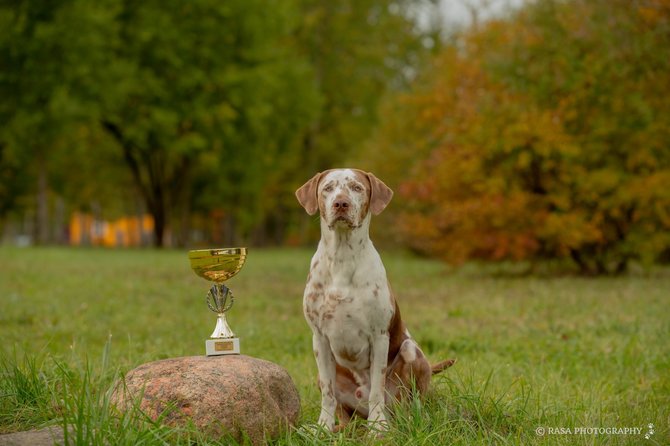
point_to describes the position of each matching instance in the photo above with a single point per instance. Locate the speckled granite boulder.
(234, 394)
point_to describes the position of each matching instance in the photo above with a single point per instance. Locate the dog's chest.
(349, 304)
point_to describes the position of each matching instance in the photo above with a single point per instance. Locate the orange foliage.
(544, 135)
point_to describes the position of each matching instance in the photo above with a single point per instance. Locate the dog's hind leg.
(410, 371)
(344, 415)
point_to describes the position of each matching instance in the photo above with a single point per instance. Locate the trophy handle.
(217, 298)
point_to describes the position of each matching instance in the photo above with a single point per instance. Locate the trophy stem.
(222, 329)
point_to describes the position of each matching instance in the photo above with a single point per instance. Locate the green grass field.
(533, 352)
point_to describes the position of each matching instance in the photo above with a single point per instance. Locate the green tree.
(213, 100)
(360, 50)
(53, 57)
(205, 105)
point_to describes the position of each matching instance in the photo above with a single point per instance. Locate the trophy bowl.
(219, 265)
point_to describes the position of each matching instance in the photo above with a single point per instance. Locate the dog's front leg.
(326, 365)
(380, 349)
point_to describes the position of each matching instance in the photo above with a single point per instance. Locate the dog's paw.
(377, 429)
(326, 421)
(377, 424)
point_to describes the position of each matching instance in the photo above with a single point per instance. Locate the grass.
(534, 352)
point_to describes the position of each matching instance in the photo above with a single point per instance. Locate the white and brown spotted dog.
(365, 355)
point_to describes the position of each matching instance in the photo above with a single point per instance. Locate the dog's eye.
(357, 188)
(328, 188)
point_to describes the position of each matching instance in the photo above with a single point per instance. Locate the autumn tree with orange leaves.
(543, 135)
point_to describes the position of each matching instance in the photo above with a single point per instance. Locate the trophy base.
(222, 346)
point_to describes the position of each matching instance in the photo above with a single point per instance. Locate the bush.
(543, 135)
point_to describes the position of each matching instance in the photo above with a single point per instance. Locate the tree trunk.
(61, 224)
(42, 215)
(158, 213)
(585, 268)
(184, 225)
(229, 230)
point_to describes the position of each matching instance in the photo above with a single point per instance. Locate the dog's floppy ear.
(380, 194)
(306, 194)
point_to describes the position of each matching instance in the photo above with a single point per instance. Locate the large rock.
(48, 436)
(231, 394)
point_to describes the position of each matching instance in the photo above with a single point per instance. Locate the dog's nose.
(341, 204)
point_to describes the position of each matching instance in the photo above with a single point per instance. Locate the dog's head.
(344, 197)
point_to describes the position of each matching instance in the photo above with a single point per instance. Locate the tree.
(360, 50)
(206, 105)
(206, 86)
(53, 57)
(540, 136)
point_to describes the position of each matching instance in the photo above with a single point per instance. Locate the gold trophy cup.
(219, 265)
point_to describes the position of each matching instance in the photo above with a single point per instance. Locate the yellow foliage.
(542, 135)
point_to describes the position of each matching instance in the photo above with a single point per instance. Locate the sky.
(458, 12)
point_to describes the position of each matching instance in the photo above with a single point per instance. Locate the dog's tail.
(440, 366)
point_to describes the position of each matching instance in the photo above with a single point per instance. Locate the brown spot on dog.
(334, 296)
(312, 315)
(396, 331)
(318, 285)
(348, 355)
(363, 178)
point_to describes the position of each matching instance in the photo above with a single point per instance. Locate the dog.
(366, 357)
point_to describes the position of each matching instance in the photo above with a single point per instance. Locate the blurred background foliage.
(541, 133)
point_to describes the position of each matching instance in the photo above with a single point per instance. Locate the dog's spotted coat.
(364, 353)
